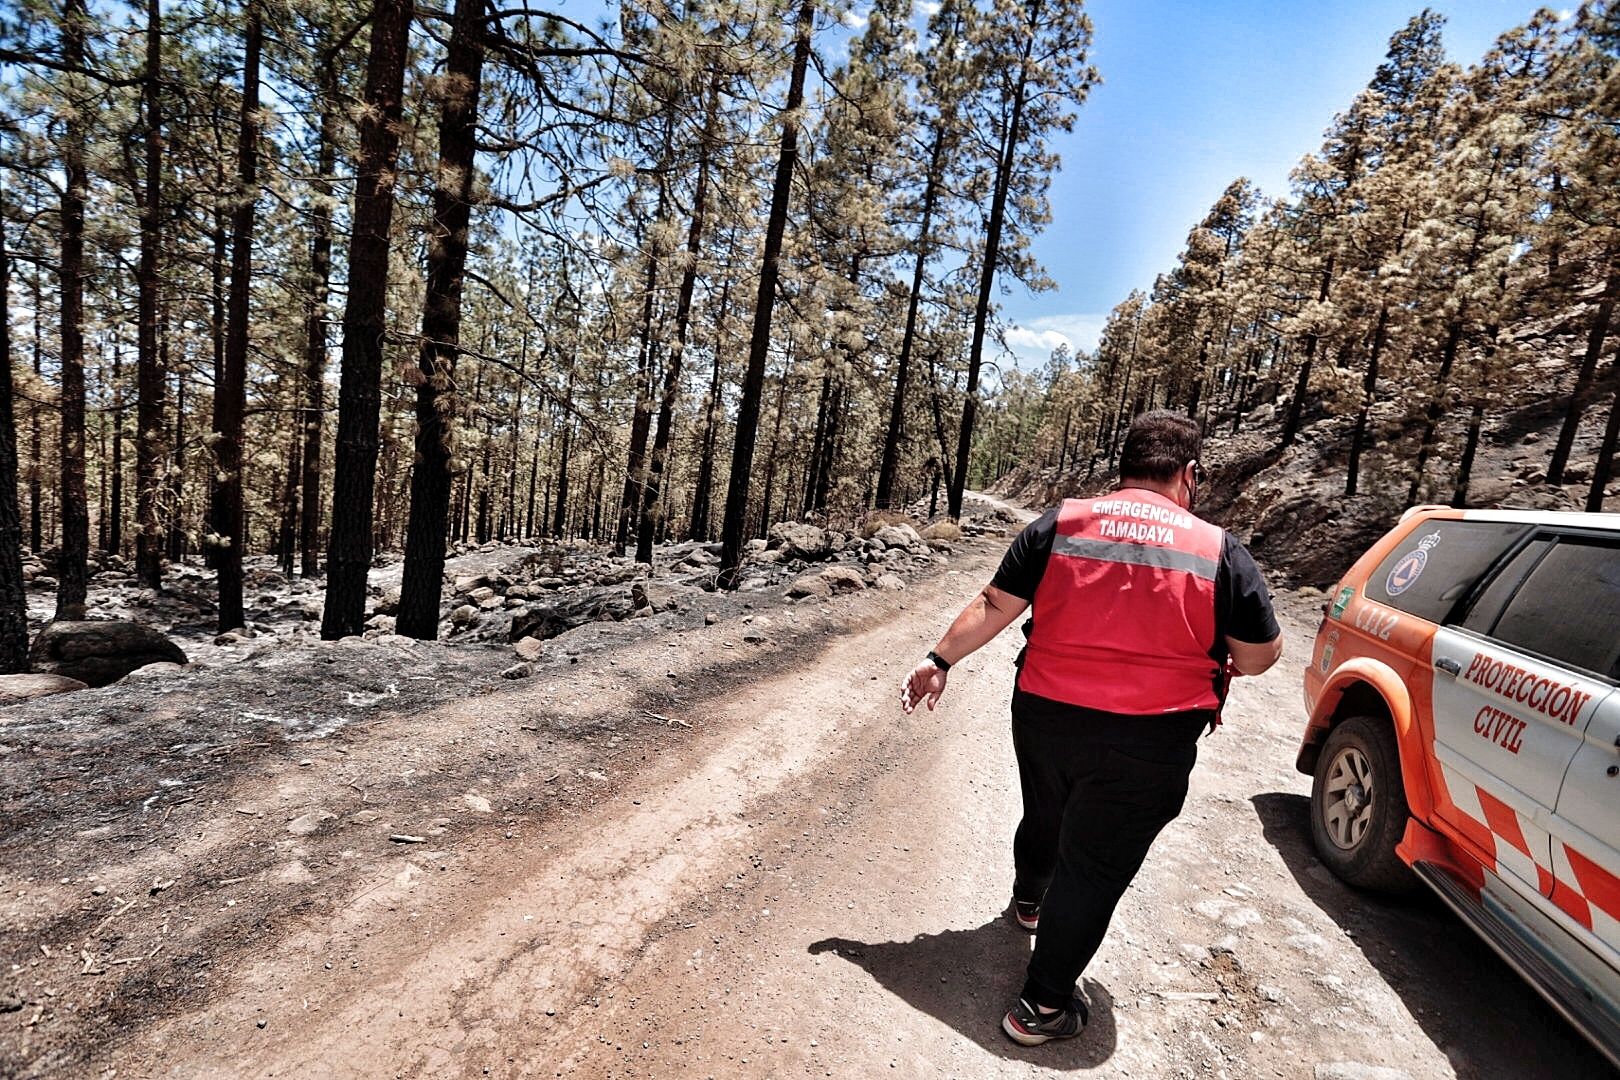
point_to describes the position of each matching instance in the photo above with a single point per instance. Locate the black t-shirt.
(1242, 603)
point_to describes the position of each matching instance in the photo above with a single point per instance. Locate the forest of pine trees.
(1453, 248)
(327, 281)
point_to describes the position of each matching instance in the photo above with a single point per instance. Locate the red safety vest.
(1125, 613)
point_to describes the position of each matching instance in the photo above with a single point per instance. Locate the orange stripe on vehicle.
(1572, 903)
(1544, 880)
(1503, 821)
(1599, 886)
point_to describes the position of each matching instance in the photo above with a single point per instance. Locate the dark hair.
(1158, 445)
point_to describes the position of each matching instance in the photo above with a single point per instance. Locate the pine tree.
(349, 547)
(13, 597)
(441, 325)
(1038, 50)
(742, 455)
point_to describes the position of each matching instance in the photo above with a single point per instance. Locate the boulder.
(465, 585)
(560, 614)
(796, 540)
(902, 535)
(100, 652)
(809, 585)
(16, 689)
(481, 594)
(842, 579)
(889, 582)
(463, 615)
(529, 648)
(388, 603)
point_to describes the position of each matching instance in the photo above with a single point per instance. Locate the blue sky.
(1193, 96)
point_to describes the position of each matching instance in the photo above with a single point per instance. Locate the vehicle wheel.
(1358, 806)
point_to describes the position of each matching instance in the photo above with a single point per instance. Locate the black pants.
(1098, 788)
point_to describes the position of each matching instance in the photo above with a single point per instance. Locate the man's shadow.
(968, 978)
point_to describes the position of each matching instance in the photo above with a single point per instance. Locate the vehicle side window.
(1437, 563)
(1482, 614)
(1569, 607)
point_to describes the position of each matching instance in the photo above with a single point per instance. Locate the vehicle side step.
(1573, 1001)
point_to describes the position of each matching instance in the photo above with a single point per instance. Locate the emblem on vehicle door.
(1410, 568)
(1328, 647)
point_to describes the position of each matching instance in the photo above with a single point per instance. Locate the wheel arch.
(1368, 687)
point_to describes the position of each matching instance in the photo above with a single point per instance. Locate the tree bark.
(1436, 408)
(1605, 460)
(742, 455)
(428, 532)
(651, 518)
(230, 396)
(1296, 405)
(114, 543)
(1589, 362)
(1005, 163)
(1369, 388)
(349, 547)
(897, 409)
(13, 595)
(36, 480)
(72, 569)
(320, 265)
(1459, 496)
(698, 528)
(150, 377)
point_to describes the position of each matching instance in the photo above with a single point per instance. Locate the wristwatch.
(938, 661)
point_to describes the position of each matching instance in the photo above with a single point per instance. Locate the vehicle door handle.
(1448, 665)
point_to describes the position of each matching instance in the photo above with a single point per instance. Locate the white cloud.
(1022, 339)
(856, 20)
(929, 8)
(1032, 340)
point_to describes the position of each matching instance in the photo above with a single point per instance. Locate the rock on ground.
(99, 653)
(843, 579)
(16, 689)
(796, 540)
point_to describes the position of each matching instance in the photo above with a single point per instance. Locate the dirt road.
(803, 883)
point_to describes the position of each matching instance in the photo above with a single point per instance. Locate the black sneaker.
(1028, 1026)
(1027, 913)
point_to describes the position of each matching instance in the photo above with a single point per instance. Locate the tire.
(1358, 806)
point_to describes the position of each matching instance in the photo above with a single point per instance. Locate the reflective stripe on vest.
(1124, 616)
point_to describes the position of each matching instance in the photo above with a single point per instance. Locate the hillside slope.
(1290, 507)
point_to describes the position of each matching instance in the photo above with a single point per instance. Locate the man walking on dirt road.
(1141, 611)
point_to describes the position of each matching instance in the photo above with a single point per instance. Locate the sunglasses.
(1199, 475)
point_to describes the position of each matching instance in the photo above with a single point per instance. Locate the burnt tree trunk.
(1589, 362)
(114, 543)
(1369, 390)
(742, 454)
(36, 439)
(1006, 162)
(651, 518)
(320, 266)
(1302, 385)
(72, 568)
(428, 532)
(150, 376)
(897, 408)
(1436, 408)
(230, 396)
(1604, 468)
(13, 596)
(359, 388)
